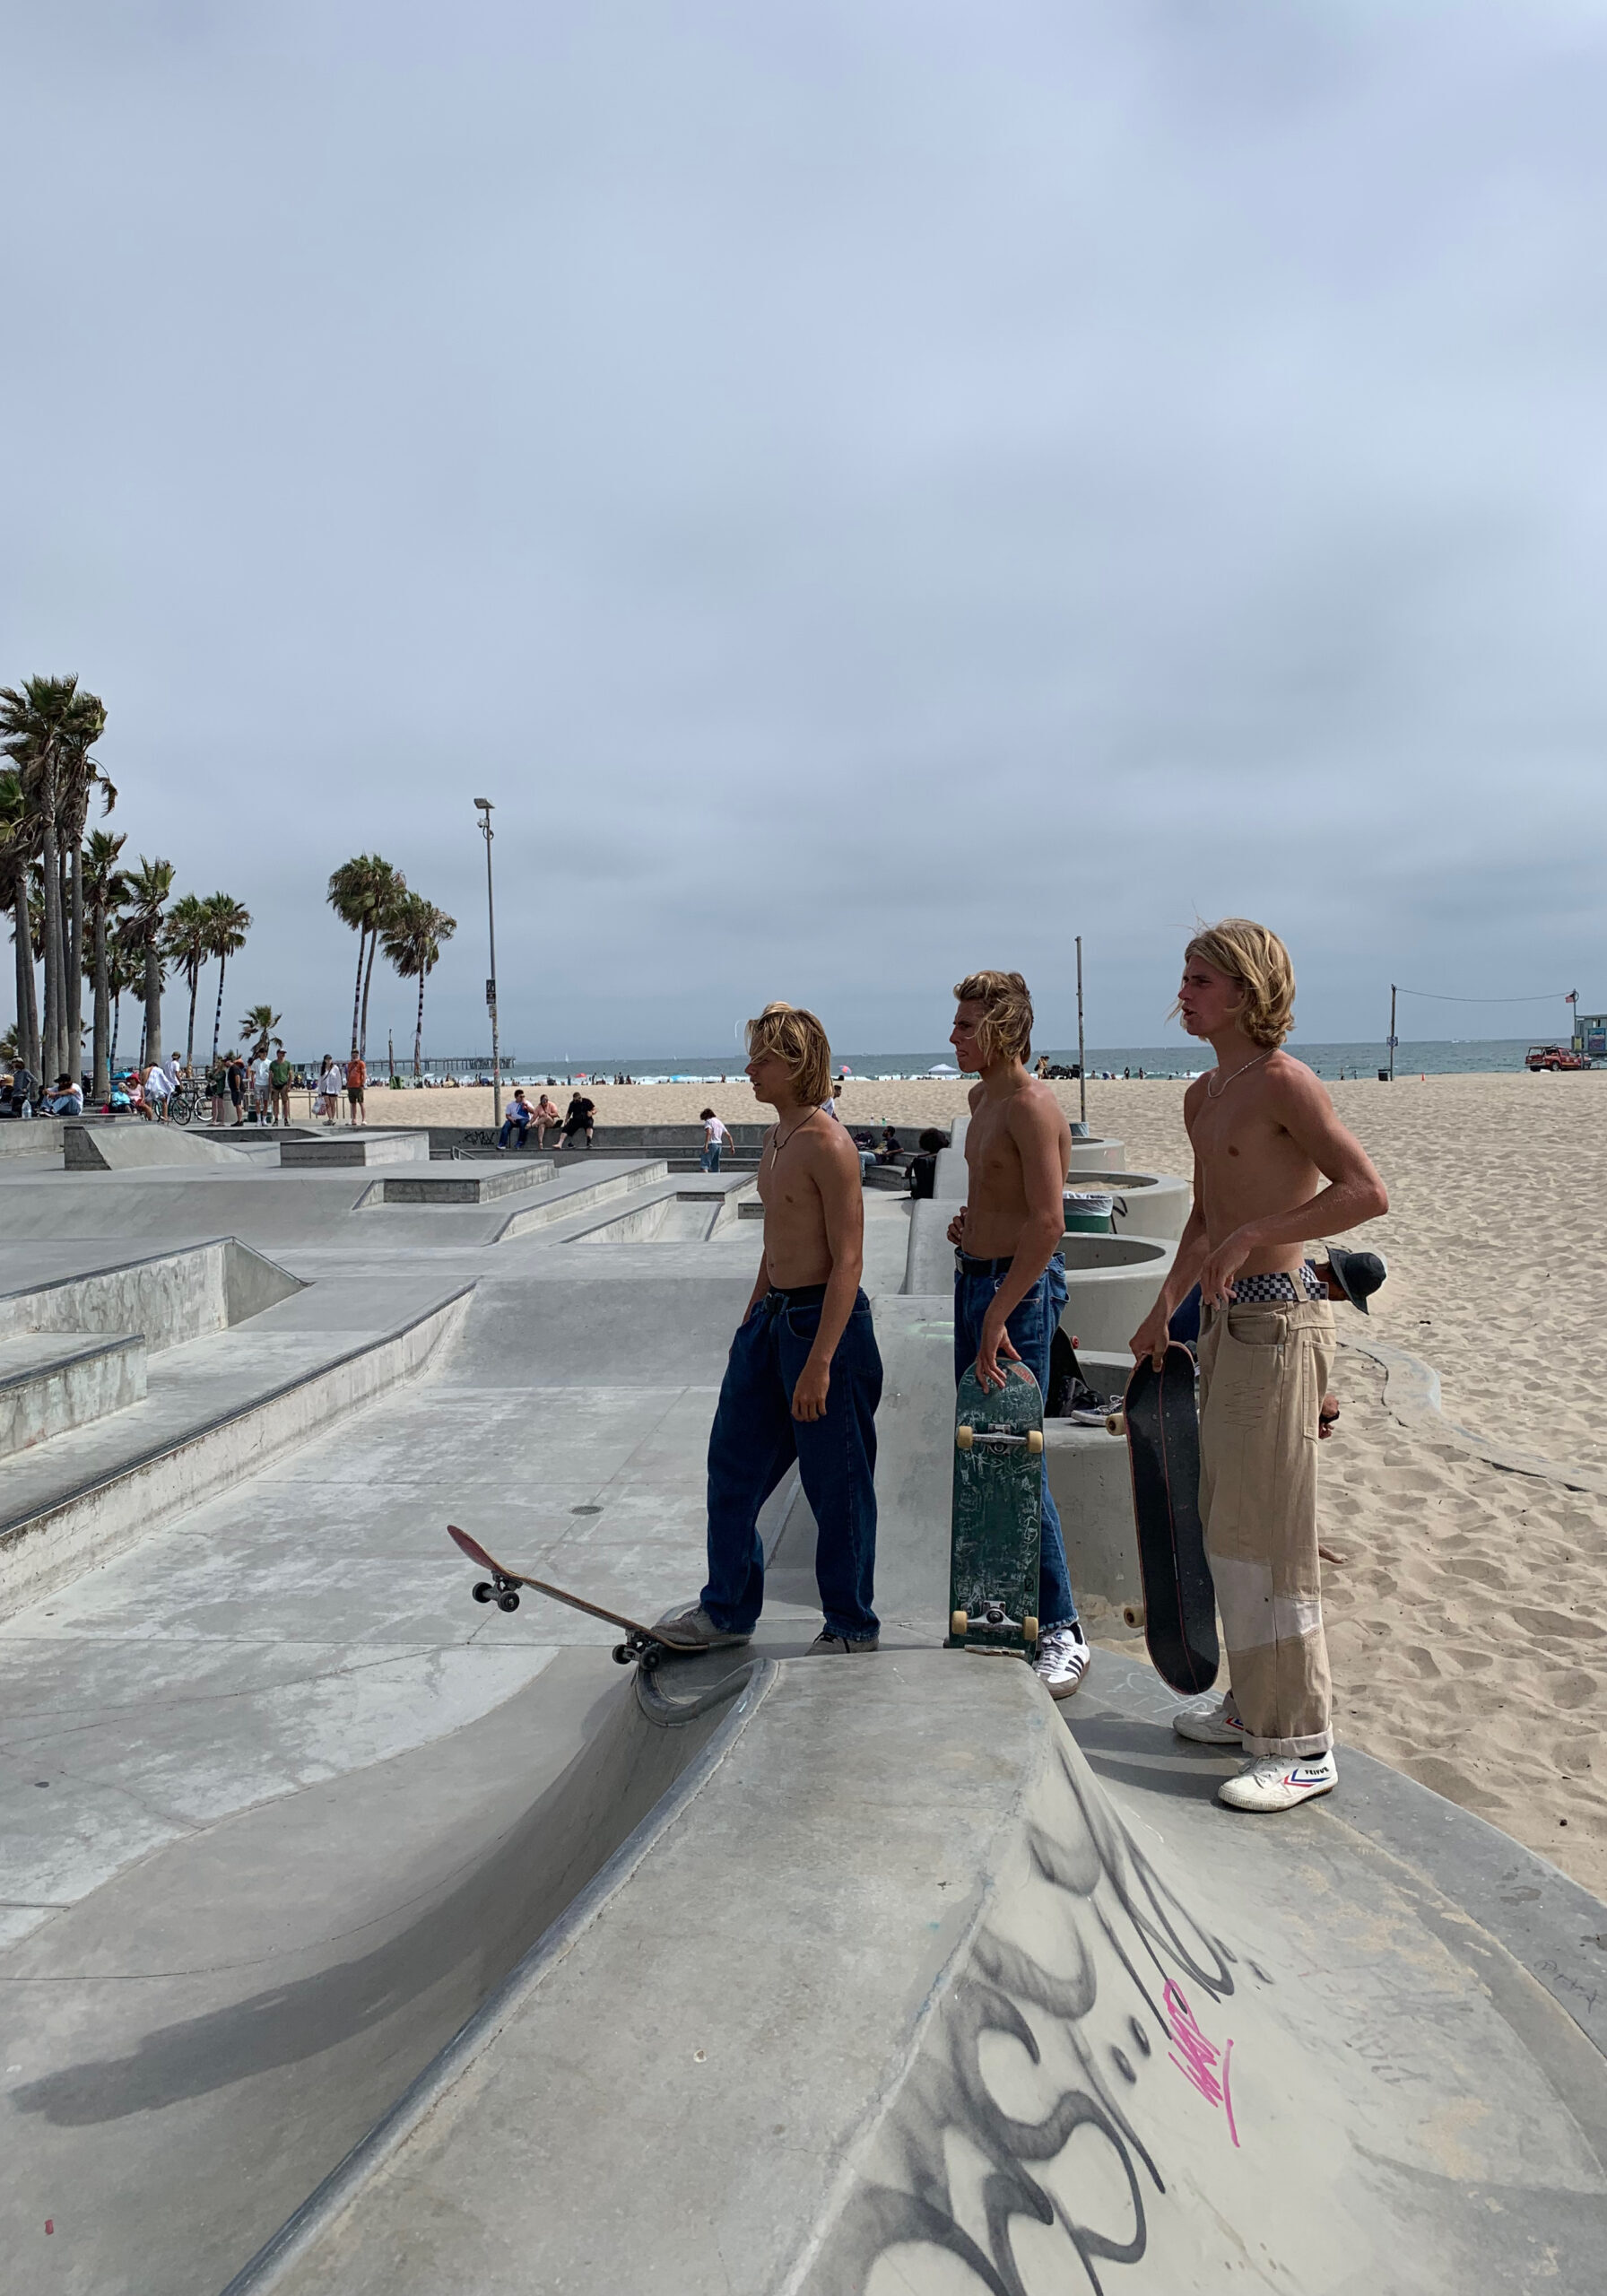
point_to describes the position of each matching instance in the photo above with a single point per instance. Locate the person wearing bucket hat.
(1354, 1277)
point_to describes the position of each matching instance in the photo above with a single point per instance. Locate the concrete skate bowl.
(913, 1995)
(170, 2118)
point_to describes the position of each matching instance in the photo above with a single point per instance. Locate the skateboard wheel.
(1034, 1440)
(1132, 1615)
(507, 1602)
(1029, 1630)
(964, 1437)
(621, 1655)
(484, 1591)
(1114, 1424)
(957, 1621)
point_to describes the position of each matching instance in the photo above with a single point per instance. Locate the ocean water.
(1446, 1056)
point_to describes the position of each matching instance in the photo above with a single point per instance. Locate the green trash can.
(1087, 1212)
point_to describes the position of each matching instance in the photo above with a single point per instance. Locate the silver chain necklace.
(1214, 1092)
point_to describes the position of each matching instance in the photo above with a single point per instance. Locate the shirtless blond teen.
(1273, 1165)
(804, 1377)
(1009, 1276)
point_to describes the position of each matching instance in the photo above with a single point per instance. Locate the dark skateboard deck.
(642, 1643)
(998, 1514)
(1163, 1450)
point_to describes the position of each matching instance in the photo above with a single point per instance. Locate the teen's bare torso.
(996, 1207)
(796, 1248)
(1248, 1165)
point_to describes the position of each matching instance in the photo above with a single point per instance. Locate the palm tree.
(149, 887)
(18, 838)
(80, 772)
(105, 891)
(187, 944)
(411, 941)
(363, 893)
(260, 1021)
(125, 970)
(48, 727)
(229, 922)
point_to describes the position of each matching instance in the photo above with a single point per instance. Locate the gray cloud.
(868, 490)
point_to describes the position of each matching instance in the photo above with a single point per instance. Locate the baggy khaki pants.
(1264, 1370)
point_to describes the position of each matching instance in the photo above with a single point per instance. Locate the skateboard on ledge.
(998, 1514)
(645, 1644)
(1178, 1612)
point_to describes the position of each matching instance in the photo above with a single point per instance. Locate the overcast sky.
(870, 488)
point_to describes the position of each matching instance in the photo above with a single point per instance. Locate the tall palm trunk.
(153, 1000)
(217, 1018)
(28, 1004)
(117, 1023)
(418, 1037)
(189, 1045)
(55, 1044)
(102, 1084)
(75, 1062)
(362, 1043)
(363, 935)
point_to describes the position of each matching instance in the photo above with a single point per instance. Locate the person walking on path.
(1009, 1275)
(804, 1377)
(577, 1119)
(515, 1118)
(715, 1137)
(357, 1078)
(1273, 1166)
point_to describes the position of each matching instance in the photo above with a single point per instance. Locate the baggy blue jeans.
(755, 1439)
(1031, 1327)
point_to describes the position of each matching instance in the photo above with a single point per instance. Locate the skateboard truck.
(999, 1439)
(991, 1619)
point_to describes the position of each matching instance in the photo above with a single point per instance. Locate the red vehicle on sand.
(1554, 1056)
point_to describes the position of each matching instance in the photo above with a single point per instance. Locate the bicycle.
(187, 1103)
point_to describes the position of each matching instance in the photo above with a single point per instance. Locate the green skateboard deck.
(998, 1514)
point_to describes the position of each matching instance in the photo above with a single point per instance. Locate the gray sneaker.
(691, 1629)
(826, 1640)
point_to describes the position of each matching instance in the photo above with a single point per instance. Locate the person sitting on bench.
(517, 1117)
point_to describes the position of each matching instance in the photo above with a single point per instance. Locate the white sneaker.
(1210, 1725)
(1062, 1659)
(1275, 1782)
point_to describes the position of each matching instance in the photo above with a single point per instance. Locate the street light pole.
(485, 809)
(1082, 1055)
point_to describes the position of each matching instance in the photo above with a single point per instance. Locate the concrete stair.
(52, 1381)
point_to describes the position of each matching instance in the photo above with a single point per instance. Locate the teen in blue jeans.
(754, 1440)
(1032, 1326)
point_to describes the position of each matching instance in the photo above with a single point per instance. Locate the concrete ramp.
(913, 1994)
(137, 1147)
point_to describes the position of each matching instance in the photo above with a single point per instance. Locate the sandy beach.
(1469, 1618)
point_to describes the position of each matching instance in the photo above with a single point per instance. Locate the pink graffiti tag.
(1200, 2057)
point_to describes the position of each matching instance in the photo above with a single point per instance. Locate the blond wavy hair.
(793, 1035)
(1259, 963)
(1004, 1032)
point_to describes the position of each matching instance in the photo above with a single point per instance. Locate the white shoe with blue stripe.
(1280, 1781)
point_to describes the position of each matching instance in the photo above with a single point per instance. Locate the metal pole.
(1391, 1032)
(1082, 1057)
(485, 804)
